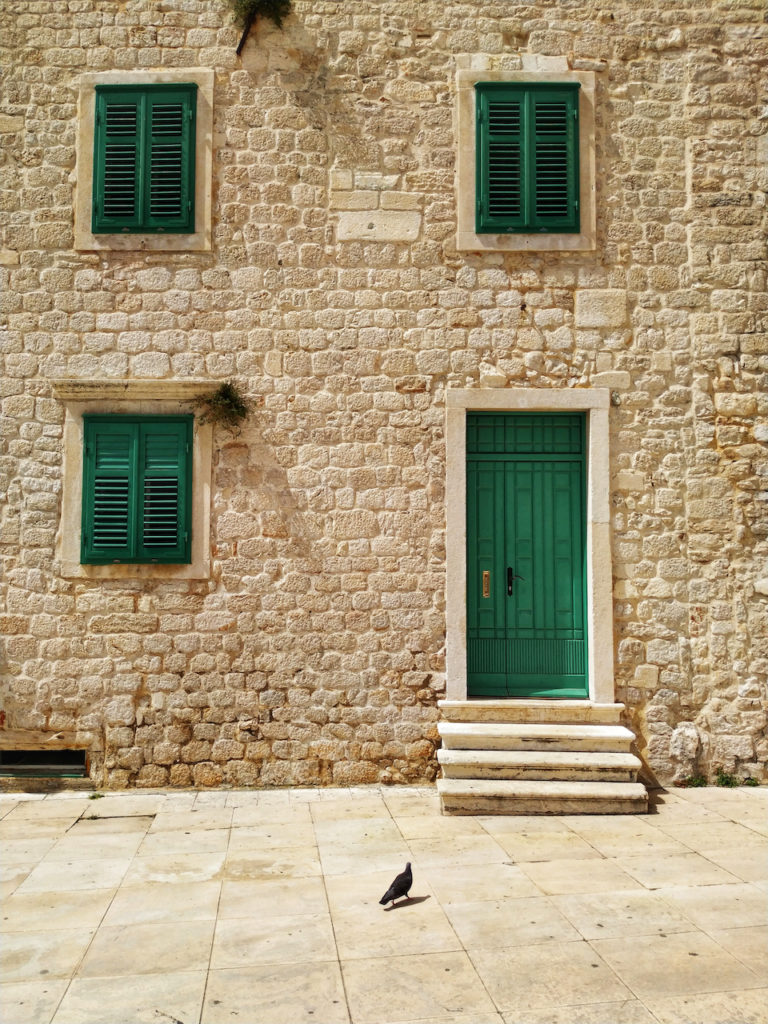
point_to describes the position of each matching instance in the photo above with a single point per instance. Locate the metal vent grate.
(39, 764)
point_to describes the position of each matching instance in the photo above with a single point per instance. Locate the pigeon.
(400, 887)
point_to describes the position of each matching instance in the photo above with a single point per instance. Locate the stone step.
(564, 712)
(575, 766)
(502, 736)
(507, 796)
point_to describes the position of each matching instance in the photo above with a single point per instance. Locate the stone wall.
(334, 294)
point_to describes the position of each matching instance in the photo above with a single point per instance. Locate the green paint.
(144, 159)
(527, 158)
(137, 476)
(526, 516)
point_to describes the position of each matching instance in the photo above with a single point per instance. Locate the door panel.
(526, 517)
(485, 508)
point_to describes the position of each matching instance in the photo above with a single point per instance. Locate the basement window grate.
(43, 764)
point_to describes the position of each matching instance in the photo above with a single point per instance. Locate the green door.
(526, 542)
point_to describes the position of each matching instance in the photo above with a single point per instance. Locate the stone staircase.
(537, 757)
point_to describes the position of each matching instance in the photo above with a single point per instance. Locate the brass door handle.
(486, 584)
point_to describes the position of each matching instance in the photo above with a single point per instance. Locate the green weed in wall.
(227, 406)
(247, 11)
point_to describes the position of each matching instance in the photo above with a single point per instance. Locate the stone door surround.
(596, 403)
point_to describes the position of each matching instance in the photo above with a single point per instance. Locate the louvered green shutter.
(109, 500)
(554, 151)
(527, 158)
(117, 163)
(169, 189)
(144, 159)
(137, 475)
(500, 162)
(163, 487)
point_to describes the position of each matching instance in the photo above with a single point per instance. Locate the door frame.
(595, 402)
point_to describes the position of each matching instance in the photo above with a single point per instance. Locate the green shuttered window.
(144, 159)
(137, 476)
(527, 147)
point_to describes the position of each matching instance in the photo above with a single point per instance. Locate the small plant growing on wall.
(692, 782)
(227, 406)
(725, 778)
(247, 11)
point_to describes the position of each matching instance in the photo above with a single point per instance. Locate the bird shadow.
(407, 903)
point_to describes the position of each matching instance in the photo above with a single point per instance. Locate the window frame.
(132, 397)
(142, 142)
(132, 480)
(475, 70)
(199, 239)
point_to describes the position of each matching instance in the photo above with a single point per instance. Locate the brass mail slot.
(486, 584)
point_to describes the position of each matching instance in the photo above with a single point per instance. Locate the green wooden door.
(526, 634)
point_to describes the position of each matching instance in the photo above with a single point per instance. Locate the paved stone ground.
(262, 908)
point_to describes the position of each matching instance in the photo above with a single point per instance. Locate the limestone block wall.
(334, 294)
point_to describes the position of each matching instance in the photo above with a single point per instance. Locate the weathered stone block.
(197, 750)
(736, 404)
(662, 652)
(630, 481)
(227, 750)
(120, 711)
(9, 124)
(355, 523)
(601, 308)
(618, 379)
(207, 774)
(354, 200)
(646, 677)
(379, 226)
(121, 623)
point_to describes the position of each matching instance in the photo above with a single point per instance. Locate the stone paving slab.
(262, 907)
